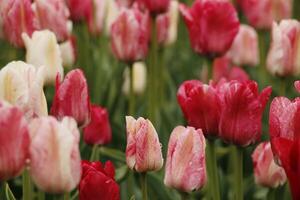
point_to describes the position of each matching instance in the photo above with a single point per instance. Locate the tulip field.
(149, 99)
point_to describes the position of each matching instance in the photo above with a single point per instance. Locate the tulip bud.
(266, 172)
(42, 50)
(154, 6)
(98, 131)
(53, 15)
(162, 24)
(139, 78)
(262, 13)
(54, 154)
(97, 182)
(72, 98)
(173, 14)
(95, 18)
(185, 167)
(130, 35)
(143, 151)
(68, 52)
(113, 11)
(212, 25)
(200, 105)
(244, 49)
(21, 85)
(18, 18)
(79, 9)
(242, 110)
(14, 142)
(283, 57)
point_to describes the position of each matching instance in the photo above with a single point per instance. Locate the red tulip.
(97, 182)
(297, 85)
(288, 152)
(18, 17)
(200, 105)
(242, 109)
(155, 6)
(14, 142)
(130, 35)
(185, 167)
(72, 98)
(79, 9)
(266, 172)
(98, 131)
(212, 25)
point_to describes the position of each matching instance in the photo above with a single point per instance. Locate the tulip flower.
(154, 6)
(200, 105)
(97, 182)
(130, 35)
(54, 154)
(266, 172)
(289, 154)
(42, 50)
(112, 13)
(54, 16)
(143, 151)
(79, 9)
(284, 117)
(68, 52)
(98, 131)
(262, 13)
(162, 24)
(297, 85)
(242, 110)
(283, 57)
(139, 78)
(185, 167)
(222, 69)
(18, 18)
(212, 26)
(72, 98)
(244, 49)
(21, 85)
(95, 18)
(14, 141)
(125, 3)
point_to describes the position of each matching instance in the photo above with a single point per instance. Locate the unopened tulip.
(173, 14)
(212, 25)
(54, 16)
(125, 3)
(54, 154)
(98, 131)
(112, 13)
(18, 18)
(288, 152)
(283, 57)
(143, 151)
(266, 172)
(185, 166)
(21, 85)
(95, 18)
(244, 49)
(68, 52)
(130, 35)
(42, 49)
(262, 13)
(222, 69)
(154, 6)
(72, 98)
(284, 118)
(242, 110)
(139, 78)
(200, 105)
(97, 182)
(162, 24)
(79, 9)
(14, 141)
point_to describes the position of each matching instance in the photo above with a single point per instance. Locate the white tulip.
(139, 78)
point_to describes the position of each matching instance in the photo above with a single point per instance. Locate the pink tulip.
(244, 49)
(162, 26)
(297, 86)
(283, 57)
(18, 17)
(79, 9)
(262, 13)
(55, 164)
(72, 98)
(154, 6)
(95, 17)
(130, 35)
(266, 172)
(14, 142)
(143, 151)
(185, 167)
(212, 25)
(125, 3)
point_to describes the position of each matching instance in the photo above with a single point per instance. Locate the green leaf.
(121, 173)
(8, 193)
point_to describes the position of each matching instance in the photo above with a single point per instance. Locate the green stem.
(184, 196)
(67, 196)
(26, 185)
(94, 152)
(271, 194)
(213, 170)
(238, 173)
(41, 195)
(209, 67)
(75, 195)
(8, 193)
(131, 91)
(144, 186)
(262, 57)
(282, 86)
(2, 190)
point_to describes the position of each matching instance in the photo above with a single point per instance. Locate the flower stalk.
(26, 185)
(238, 173)
(131, 91)
(144, 186)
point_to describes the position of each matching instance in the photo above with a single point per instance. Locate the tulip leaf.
(113, 153)
(8, 193)
(121, 173)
